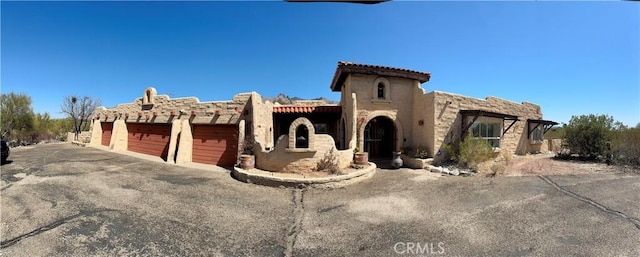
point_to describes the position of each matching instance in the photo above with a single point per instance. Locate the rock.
(436, 169)
(454, 172)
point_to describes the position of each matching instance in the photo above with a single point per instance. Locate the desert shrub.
(588, 135)
(329, 162)
(418, 152)
(496, 169)
(450, 151)
(470, 152)
(473, 151)
(625, 147)
(506, 156)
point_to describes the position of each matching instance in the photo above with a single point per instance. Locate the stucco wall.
(349, 114)
(448, 121)
(398, 108)
(283, 159)
(422, 123)
(262, 121)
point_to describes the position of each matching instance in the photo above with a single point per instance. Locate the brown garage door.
(107, 129)
(151, 139)
(215, 144)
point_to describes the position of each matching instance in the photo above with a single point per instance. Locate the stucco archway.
(292, 132)
(362, 123)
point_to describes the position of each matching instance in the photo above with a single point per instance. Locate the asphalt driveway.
(65, 200)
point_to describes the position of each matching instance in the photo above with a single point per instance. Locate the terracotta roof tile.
(306, 109)
(345, 68)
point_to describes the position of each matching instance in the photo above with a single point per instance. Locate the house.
(381, 111)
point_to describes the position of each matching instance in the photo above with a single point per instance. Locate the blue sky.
(569, 57)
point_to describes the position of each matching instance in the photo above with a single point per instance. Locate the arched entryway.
(380, 137)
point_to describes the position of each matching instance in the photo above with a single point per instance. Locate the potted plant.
(360, 158)
(247, 159)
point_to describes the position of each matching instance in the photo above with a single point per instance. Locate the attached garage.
(107, 129)
(151, 139)
(215, 144)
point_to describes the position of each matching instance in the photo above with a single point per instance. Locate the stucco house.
(381, 110)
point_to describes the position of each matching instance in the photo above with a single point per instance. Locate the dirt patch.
(307, 173)
(542, 164)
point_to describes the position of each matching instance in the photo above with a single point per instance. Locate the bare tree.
(79, 109)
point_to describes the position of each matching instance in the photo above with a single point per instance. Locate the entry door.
(378, 138)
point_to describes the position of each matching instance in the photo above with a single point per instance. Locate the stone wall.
(84, 137)
(180, 114)
(284, 159)
(165, 110)
(448, 122)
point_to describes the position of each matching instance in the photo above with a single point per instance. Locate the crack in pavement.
(606, 209)
(55, 224)
(297, 197)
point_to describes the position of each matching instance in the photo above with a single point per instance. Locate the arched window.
(302, 137)
(381, 91)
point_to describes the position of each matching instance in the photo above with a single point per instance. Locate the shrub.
(507, 157)
(418, 152)
(625, 147)
(470, 152)
(329, 162)
(588, 135)
(473, 151)
(450, 151)
(496, 169)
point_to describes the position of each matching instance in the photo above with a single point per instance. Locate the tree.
(79, 110)
(590, 135)
(42, 125)
(17, 117)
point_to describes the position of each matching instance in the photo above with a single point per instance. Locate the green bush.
(589, 135)
(470, 152)
(473, 151)
(625, 147)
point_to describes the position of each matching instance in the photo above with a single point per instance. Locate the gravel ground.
(66, 200)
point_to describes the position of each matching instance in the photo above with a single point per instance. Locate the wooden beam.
(505, 131)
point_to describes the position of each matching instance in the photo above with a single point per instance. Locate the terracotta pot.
(247, 161)
(361, 158)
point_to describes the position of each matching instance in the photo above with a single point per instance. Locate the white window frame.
(483, 122)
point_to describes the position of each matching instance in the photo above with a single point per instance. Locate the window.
(537, 135)
(302, 137)
(487, 131)
(320, 128)
(381, 91)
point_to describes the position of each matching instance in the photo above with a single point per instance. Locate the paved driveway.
(65, 200)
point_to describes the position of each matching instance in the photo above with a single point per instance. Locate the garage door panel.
(152, 139)
(215, 144)
(107, 131)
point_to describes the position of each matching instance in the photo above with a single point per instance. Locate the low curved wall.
(327, 182)
(284, 159)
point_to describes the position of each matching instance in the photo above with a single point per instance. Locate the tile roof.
(306, 109)
(345, 68)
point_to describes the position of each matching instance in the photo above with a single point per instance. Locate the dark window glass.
(380, 91)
